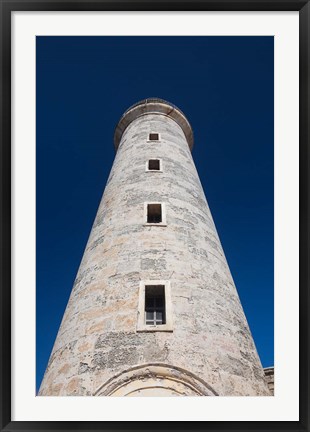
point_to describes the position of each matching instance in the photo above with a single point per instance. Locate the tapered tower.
(154, 310)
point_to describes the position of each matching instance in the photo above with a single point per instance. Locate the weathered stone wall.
(97, 339)
(269, 376)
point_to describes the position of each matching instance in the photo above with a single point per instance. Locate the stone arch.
(155, 379)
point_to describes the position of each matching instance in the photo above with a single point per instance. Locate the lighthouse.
(154, 310)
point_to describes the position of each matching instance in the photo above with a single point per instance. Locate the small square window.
(154, 136)
(154, 164)
(154, 214)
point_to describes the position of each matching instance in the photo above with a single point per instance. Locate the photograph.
(155, 216)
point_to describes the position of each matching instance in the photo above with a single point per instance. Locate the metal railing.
(153, 100)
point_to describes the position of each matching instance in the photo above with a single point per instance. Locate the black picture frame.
(8, 6)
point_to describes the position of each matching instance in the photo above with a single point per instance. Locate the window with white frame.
(154, 165)
(155, 214)
(155, 307)
(153, 136)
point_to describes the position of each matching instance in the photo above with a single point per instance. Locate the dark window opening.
(154, 164)
(153, 137)
(155, 308)
(154, 213)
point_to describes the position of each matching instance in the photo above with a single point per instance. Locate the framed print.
(155, 215)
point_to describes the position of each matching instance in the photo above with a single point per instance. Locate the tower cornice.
(153, 106)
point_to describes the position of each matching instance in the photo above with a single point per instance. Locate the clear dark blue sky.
(224, 85)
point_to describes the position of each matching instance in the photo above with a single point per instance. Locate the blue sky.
(224, 85)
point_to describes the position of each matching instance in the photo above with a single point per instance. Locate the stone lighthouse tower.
(154, 310)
